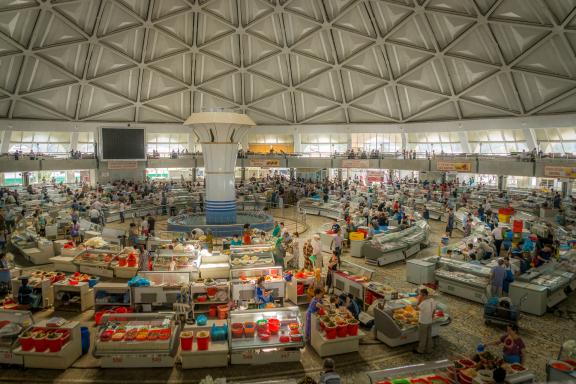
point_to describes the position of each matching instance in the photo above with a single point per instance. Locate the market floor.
(542, 335)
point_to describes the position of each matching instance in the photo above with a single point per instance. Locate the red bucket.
(342, 330)
(223, 312)
(273, 326)
(330, 333)
(353, 329)
(211, 291)
(54, 345)
(27, 343)
(122, 262)
(40, 344)
(203, 341)
(299, 289)
(186, 342)
(213, 311)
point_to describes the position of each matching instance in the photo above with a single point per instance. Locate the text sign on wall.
(264, 163)
(123, 165)
(560, 172)
(451, 166)
(354, 163)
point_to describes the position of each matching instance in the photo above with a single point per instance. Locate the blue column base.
(220, 212)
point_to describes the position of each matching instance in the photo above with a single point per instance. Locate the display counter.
(166, 289)
(37, 250)
(216, 355)
(318, 208)
(243, 284)
(144, 340)
(108, 294)
(463, 279)
(96, 262)
(214, 266)
(351, 278)
(53, 344)
(436, 372)
(73, 295)
(562, 369)
(388, 248)
(297, 287)
(397, 321)
(436, 210)
(41, 284)
(12, 324)
(177, 261)
(276, 336)
(326, 339)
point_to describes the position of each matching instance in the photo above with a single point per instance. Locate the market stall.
(13, 323)
(436, 372)
(298, 286)
(335, 333)
(562, 369)
(264, 336)
(161, 291)
(199, 350)
(74, 294)
(463, 279)
(144, 340)
(32, 247)
(351, 278)
(318, 208)
(40, 282)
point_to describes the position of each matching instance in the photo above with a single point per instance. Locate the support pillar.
(340, 174)
(292, 174)
(243, 174)
(566, 188)
(501, 183)
(194, 171)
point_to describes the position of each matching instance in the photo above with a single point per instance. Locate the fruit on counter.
(131, 334)
(142, 335)
(106, 335)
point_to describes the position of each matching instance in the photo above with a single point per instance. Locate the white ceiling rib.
(287, 61)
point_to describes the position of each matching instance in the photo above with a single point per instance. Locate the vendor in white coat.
(317, 251)
(426, 306)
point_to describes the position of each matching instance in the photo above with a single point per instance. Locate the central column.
(219, 134)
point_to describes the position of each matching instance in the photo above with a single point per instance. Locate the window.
(12, 178)
(40, 142)
(323, 145)
(437, 142)
(557, 140)
(165, 143)
(383, 142)
(86, 142)
(497, 142)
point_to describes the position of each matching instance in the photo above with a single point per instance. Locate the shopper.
(121, 211)
(94, 215)
(332, 267)
(247, 235)
(314, 306)
(133, 235)
(317, 252)
(497, 277)
(151, 224)
(309, 256)
(236, 240)
(75, 232)
(329, 376)
(276, 230)
(347, 301)
(336, 245)
(450, 223)
(513, 348)
(497, 233)
(426, 306)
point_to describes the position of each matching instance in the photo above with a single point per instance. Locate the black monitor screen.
(123, 144)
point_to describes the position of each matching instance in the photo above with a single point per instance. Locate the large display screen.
(123, 144)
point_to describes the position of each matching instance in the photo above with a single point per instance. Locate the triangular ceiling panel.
(308, 106)
(7, 5)
(253, 10)
(562, 106)
(128, 42)
(204, 101)
(430, 76)
(336, 7)
(360, 116)
(324, 85)
(448, 28)
(154, 84)
(414, 33)
(62, 99)
(227, 48)
(357, 20)
(149, 115)
(262, 119)
(208, 68)
(4, 107)
(476, 111)
(116, 19)
(279, 106)
(347, 43)
(175, 104)
(554, 57)
(275, 68)
(268, 28)
(25, 110)
(255, 49)
(535, 90)
(256, 88)
(381, 101)
(228, 87)
(464, 7)
(561, 8)
(18, 25)
(209, 29)
(414, 101)
(161, 45)
(515, 39)
(105, 60)
(485, 5)
(9, 69)
(445, 111)
(298, 27)
(477, 45)
(317, 45)
(404, 59)
(498, 92)
(7, 49)
(72, 58)
(357, 84)
(303, 68)
(178, 66)
(96, 101)
(121, 115)
(388, 15)
(140, 7)
(308, 8)
(525, 11)
(81, 13)
(334, 116)
(370, 61)
(464, 74)
(36, 74)
(168, 7)
(55, 31)
(124, 83)
(181, 27)
(223, 9)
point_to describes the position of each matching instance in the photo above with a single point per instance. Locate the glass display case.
(96, 262)
(463, 279)
(352, 278)
(437, 372)
(243, 283)
(12, 324)
(251, 257)
(177, 261)
(331, 209)
(165, 289)
(137, 340)
(387, 248)
(277, 334)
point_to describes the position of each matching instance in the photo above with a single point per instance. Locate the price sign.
(117, 359)
(156, 358)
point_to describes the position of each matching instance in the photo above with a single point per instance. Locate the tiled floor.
(543, 336)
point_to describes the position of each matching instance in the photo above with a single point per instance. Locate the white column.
(219, 164)
(74, 141)
(6, 137)
(531, 140)
(297, 141)
(464, 142)
(404, 141)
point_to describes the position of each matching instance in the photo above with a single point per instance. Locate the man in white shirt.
(121, 210)
(427, 306)
(498, 238)
(94, 215)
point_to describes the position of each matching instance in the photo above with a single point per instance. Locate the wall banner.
(122, 165)
(355, 163)
(265, 163)
(560, 172)
(451, 166)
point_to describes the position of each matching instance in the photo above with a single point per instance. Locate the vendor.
(347, 301)
(236, 240)
(133, 235)
(4, 271)
(513, 346)
(196, 233)
(26, 294)
(247, 235)
(263, 296)
(314, 307)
